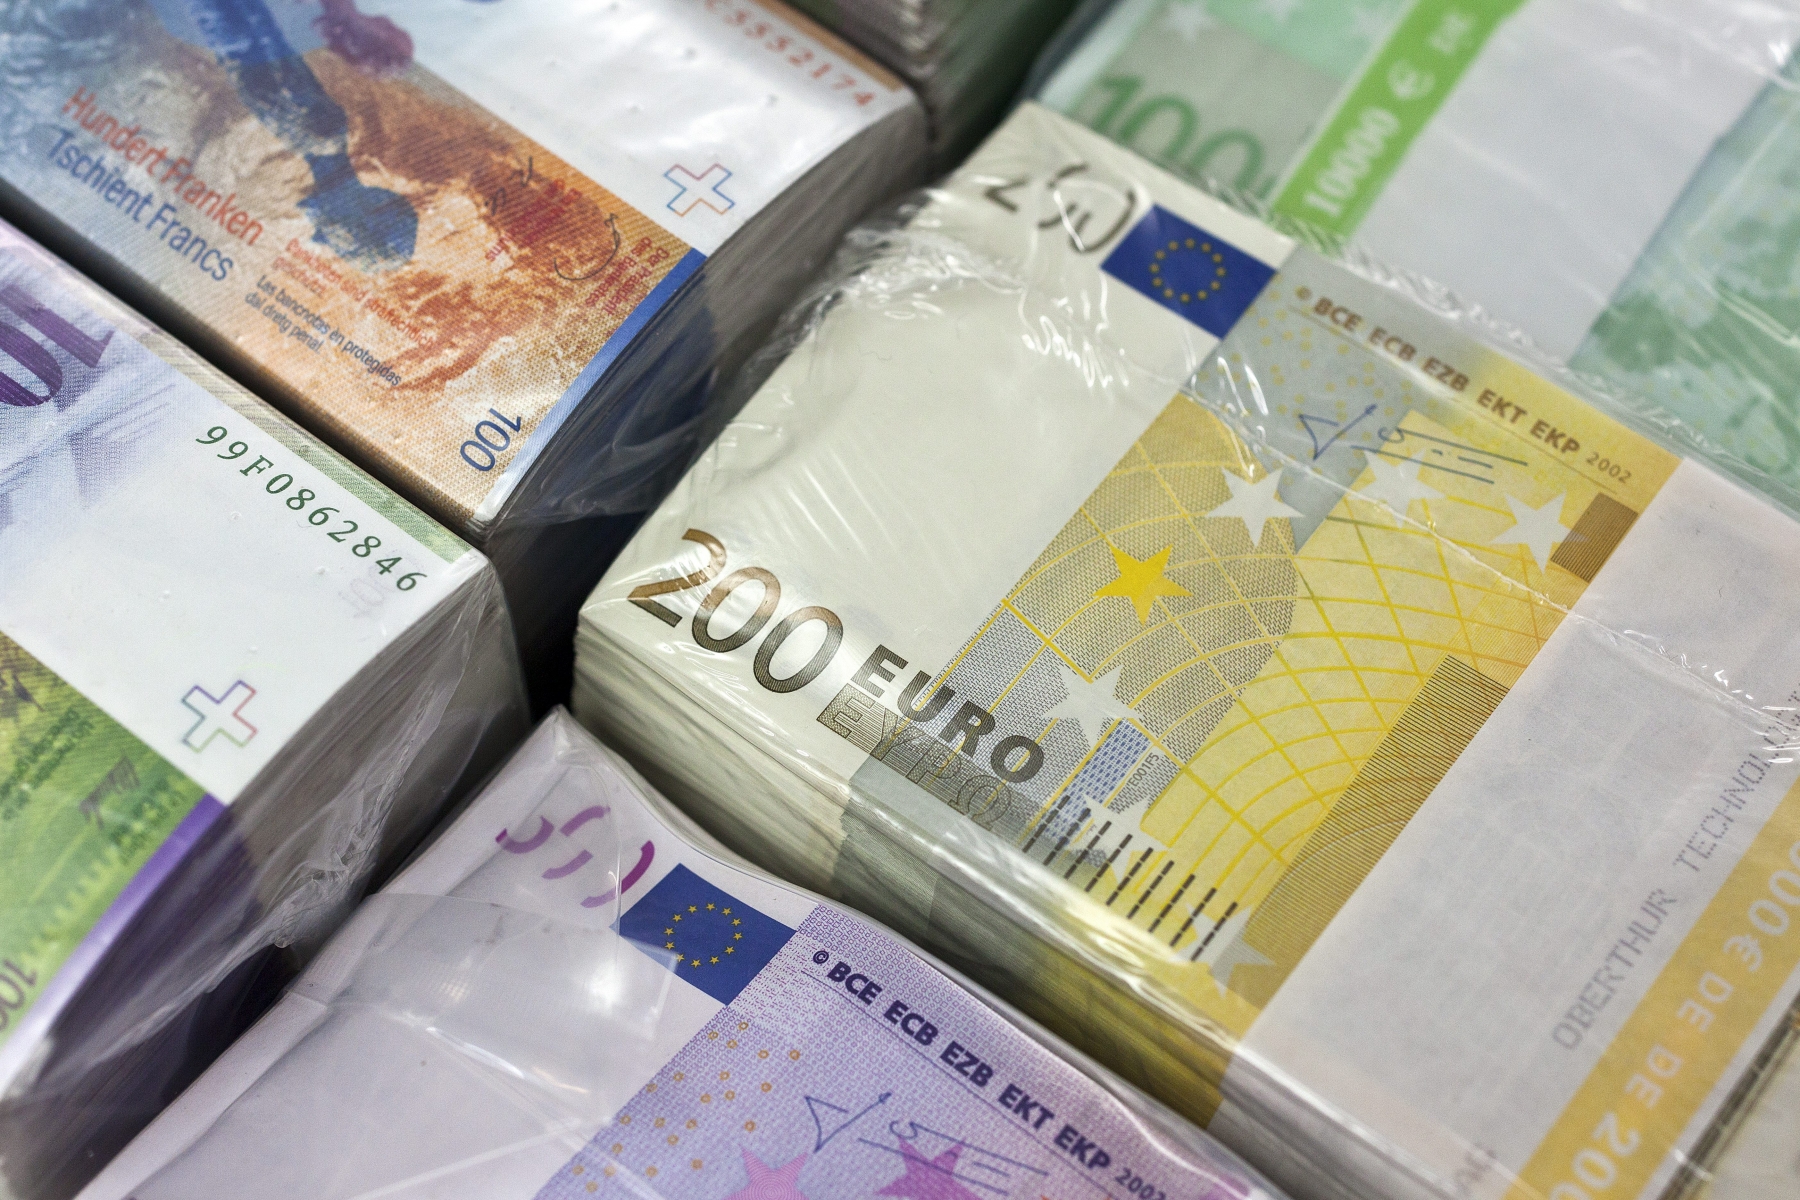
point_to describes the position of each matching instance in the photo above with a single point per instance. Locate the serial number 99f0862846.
(285, 487)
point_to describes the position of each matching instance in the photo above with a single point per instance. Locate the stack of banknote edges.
(965, 59)
(236, 675)
(576, 992)
(1266, 679)
(496, 254)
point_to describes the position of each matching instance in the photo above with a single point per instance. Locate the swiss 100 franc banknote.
(430, 226)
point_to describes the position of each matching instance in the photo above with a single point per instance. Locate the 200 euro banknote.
(1331, 718)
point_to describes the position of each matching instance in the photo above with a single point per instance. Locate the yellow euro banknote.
(1320, 712)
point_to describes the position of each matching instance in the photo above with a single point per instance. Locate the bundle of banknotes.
(494, 252)
(965, 58)
(1758, 1158)
(1617, 180)
(574, 992)
(1277, 680)
(235, 674)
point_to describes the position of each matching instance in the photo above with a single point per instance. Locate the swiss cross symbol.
(699, 189)
(218, 715)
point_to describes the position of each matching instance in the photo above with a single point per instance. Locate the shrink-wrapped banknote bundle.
(495, 252)
(236, 674)
(574, 992)
(1616, 179)
(1261, 671)
(966, 58)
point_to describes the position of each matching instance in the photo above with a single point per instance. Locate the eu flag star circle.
(1190, 271)
(1186, 279)
(704, 934)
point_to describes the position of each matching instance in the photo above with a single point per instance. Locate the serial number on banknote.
(287, 488)
(766, 34)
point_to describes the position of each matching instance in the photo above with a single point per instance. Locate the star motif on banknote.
(1397, 484)
(1141, 581)
(1281, 10)
(1255, 504)
(928, 1178)
(1537, 529)
(1091, 705)
(1188, 18)
(770, 1183)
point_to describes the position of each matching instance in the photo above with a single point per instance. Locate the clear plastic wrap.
(236, 674)
(965, 58)
(573, 991)
(1616, 179)
(496, 252)
(1756, 1156)
(1280, 680)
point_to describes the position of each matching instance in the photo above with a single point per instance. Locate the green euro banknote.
(1618, 184)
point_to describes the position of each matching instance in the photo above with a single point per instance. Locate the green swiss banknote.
(83, 807)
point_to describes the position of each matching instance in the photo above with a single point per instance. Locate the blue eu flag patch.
(706, 936)
(1190, 272)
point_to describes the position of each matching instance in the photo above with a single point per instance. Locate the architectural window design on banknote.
(1269, 655)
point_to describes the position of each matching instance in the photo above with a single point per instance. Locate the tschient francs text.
(154, 186)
